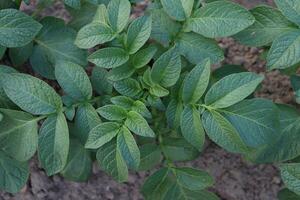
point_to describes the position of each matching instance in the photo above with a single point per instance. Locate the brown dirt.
(235, 178)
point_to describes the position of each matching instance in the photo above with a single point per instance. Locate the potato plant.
(139, 94)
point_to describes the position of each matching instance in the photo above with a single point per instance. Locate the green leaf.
(196, 48)
(74, 80)
(5, 102)
(157, 185)
(222, 132)
(258, 115)
(79, 164)
(128, 147)
(110, 57)
(178, 9)
(193, 179)
(128, 87)
(93, 34)
(232, 89)
(295, 81)
(220, 19)
(138, 33)
(284, 51)
(2, 51)
(102, 134)
(20, 55)
(166, 69)
(112, 112)
(141, 108)
(73, 3)
(111, 161)
(31, 94)
(286, 194)
(158, 91)
(54, 144)
(85, 120)
(118, 14)
(122, 72)
(150, 156)
(173, 113)
(100, 81)
(55, 43)
(137, 124)
(269, 24)
(290, 174)
(177, 192)
(13, 174)
(290, 8)
(191, 127)
(16, 28)
(18, 134)
(143, 57)
(196, 82)
(122, 101)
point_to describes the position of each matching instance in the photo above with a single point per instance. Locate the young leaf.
(16, 28)
(118, 14)
(142, 57)
(110, 57)
(290, 8)
(269, 24)
(122, 101)
(102, 134)
(18, 134)
(166, 69)
(74, 80)
(232, 89)
(141, 108)
(13, 174)
(54, 144)
(290, 173)
(31, 94)
(191, 127)
(158, 91)
(128, 148)
(112, 112)
(196, 48)
(79, 164)
(138, 33)
(111, 161)
(179, 10)
(137, 124)
(284, 51)
(150, 156)
(222, 132)
(196, 82)
(193, 179)
(128, 87)
(220, 19)
(93, 34)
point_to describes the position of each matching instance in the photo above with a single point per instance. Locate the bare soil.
(235, 178)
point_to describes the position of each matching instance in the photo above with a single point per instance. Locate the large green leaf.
(284, 51)
(112, 112)
(220, 19)
(111, 161)
(93, 34)
(222, 132)
(54, 144)
(16, 28)
(150, 156)
(128, 87)
(232, 89)
(31, 94)
(196, 82)
(173, 113)
(74, 80)
(102, 134)
(100, 81)
(191, 127)
(54, 43)
(178, 9)
(5, 102)
(122, 72)
(18, 134)
(269, 24)
(118, 14)
(195, 48)
(290, 174)
(137, 124)
(166, 69)
(13, 174)
(256, 121)
(20, 55)
(110, 57)
(290, 8)
(138, 33)
(142, 57)
(79, 163)
(128, 147)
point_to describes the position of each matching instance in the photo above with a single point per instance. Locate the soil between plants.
(235, 178)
